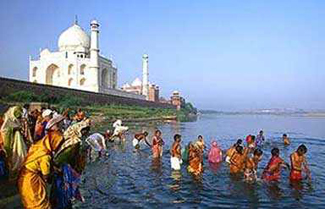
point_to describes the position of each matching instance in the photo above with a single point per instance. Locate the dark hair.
(177, 136)
(285, 135)
(261, 131)
(275, 151)
(157, 131)
(253, 137)
(302, 149)
(200, 136)
(239, 141)
(239, 149)
(258, 152)
(145, 133)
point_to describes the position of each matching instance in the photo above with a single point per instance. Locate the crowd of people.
(43, 147)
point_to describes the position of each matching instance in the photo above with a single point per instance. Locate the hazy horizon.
(226, 56)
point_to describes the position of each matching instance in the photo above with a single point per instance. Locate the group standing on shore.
(44, 147)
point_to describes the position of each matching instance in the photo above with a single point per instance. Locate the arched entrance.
(53, 75)
(104, 78)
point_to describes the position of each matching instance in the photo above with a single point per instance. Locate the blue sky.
(224, 55)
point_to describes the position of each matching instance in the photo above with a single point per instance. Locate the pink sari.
(215, 154)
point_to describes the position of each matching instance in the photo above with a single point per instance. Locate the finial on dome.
(76, 20)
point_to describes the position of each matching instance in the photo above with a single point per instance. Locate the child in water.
(299, 164)
(272, 172)
(250, 173)
(286, 140)
(175, 152)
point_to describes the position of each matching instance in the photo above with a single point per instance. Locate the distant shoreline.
(307, 114)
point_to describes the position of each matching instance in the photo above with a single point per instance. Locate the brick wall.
(8, 86)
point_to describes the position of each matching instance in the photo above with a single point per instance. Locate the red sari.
(274, 175)
(157, 147)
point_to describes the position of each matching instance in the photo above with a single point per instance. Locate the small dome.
(72, 38)
(94, 22)
(136, 82)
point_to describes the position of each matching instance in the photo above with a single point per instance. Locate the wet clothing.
(295, 175)
(215, 153)
(259, 140)
(274, 175)
(195, 163)
(157, 148)
(97, 142)
(176, 156)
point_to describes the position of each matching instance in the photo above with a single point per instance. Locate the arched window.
(105, 78)
(82, 82)
(70, 69)
(82, 69)
(34, 71)
(70, 82)
(52, 75)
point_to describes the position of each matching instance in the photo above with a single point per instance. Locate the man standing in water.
(299, 163)
(286, 140)
(175, 152)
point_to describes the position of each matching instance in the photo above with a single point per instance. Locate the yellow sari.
(31, 184)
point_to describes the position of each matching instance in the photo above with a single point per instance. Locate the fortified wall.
(8, 86)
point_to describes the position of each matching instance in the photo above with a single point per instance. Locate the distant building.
(177, 100)
(144, 87)
(77, 64)
(137, 88)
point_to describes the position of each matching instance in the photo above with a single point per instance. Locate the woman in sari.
(215, 153)
(157, 145)
(272, 172)
(13, 141)
(195, 161)
(37, 167)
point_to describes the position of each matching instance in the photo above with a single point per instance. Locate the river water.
(128, 179)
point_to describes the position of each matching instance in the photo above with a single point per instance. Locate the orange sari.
(31, 183)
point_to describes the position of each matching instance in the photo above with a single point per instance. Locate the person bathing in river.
(139, 137)
(260, 139)
(250, 173)
(232, 150)
(200, 143)
(195, 160)
(299, 164)
(272, 171)
(250, 139)
(286, 139)
(119, 130)
(215, 153)
(97, 142)
(157, 145)
(175, 152)
(237, 160)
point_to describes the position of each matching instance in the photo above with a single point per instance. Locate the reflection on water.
(132, 179)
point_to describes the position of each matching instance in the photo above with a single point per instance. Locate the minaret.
(145, 76)
(94, 55)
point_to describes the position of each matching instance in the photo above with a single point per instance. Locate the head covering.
(46, 112)
(73, 134)
(55, 120)
(214, 155)
(117, 123)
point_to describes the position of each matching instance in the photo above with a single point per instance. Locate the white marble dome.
(72, 38)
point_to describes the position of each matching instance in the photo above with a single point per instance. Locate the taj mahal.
(78, 64)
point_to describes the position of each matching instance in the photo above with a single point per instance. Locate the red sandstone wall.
(8, 86)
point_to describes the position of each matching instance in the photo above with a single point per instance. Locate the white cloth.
(97, 142)
(175, 163)
(135, 142)
(228, 159)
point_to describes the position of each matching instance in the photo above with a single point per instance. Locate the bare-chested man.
(299, 164)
